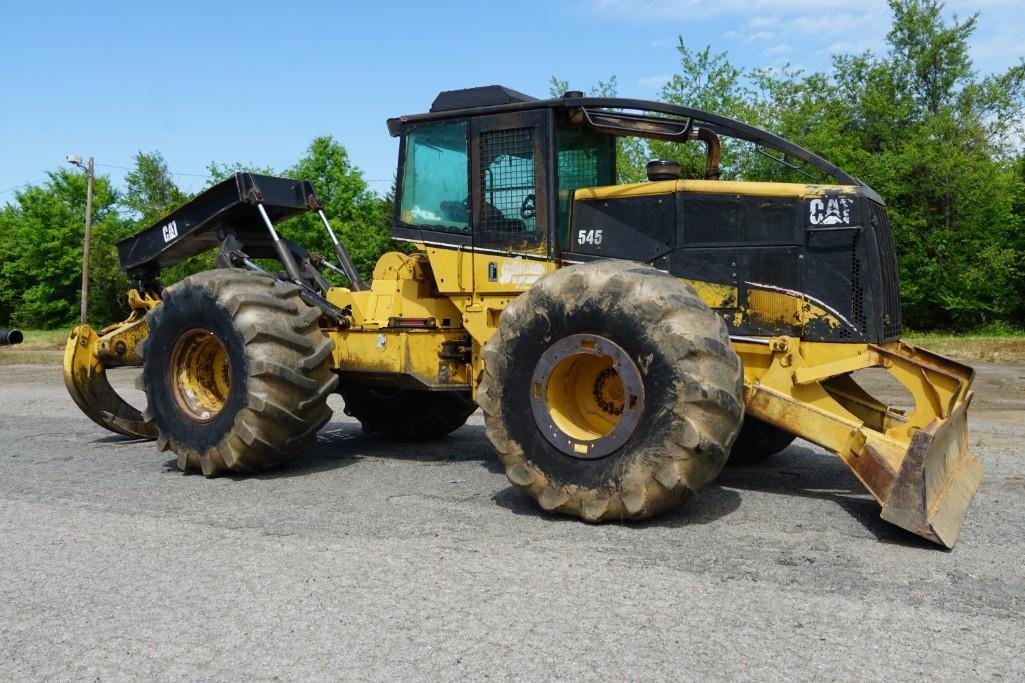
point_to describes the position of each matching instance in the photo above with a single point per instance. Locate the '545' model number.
(589, 237)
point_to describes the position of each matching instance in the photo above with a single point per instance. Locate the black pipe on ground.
(9, 337)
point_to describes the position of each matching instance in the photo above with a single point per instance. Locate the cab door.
(509, 201)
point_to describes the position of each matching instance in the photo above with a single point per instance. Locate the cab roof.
(623, 117)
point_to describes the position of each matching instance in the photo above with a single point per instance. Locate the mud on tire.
(692, 382)
(272, 389)
(407, 414)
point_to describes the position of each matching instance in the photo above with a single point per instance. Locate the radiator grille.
(857, 292)
(890, 304)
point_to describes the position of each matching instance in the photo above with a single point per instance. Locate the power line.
(126, 168)
(21, 185)
(181, 173)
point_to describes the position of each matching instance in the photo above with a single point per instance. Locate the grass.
(45, 339)
(992, 345)
(41, 347)
(1005, 347)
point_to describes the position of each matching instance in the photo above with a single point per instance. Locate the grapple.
(87, 357)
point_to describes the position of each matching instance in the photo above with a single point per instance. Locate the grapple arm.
(88, 355)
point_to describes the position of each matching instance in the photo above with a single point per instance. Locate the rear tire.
(236, 372)
(757, 441)
(407, 414)
(670, 359)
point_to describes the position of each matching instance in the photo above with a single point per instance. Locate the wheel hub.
(200, 375)
(586, 396)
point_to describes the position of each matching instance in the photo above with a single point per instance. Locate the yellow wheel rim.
(587, 395)
(200, 375)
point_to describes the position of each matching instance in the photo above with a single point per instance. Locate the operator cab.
(499, 176)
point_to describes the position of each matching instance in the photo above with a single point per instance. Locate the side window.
(586, 159)
(436, 177)
(507, 183)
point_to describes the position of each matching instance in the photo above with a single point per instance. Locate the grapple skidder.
(624, 340)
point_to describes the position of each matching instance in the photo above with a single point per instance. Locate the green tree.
(41, 235)
(150, 191)
(928, 133)
(218, 172)
(354, 211)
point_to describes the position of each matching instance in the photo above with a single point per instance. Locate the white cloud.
(654, 82)
(1000, 44)
(761, 28)
(757, 28)
(745, 37)
(778, 50)
(830, 24)
(691, 9)
(764, 21)
(853, 46)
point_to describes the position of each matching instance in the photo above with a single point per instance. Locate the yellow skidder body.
(623, 341)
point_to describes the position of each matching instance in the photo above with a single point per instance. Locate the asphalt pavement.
(373, 560)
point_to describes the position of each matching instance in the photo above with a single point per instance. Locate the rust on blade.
(937, 480)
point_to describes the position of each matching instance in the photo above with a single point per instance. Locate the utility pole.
(76, 160)
(88, 237)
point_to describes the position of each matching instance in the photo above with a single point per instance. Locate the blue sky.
(256, 81)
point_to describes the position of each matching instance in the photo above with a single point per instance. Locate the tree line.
(943, 145)
(41, 231)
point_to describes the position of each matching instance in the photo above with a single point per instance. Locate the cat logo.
(170, 231)
(830, 211)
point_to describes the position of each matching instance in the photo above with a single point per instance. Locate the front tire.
(611, 391)
(236, 372)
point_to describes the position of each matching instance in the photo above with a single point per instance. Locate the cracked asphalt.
(372, 560)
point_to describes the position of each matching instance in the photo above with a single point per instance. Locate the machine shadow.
(804, 472)
(121, 440)
(712, 504)
(342, 444)
(800, 471)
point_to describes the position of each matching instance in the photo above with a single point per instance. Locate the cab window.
(436, 177)
(586, 159)
(508, 183)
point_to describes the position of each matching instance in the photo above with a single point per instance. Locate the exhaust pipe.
(713, 150)
(11, 337)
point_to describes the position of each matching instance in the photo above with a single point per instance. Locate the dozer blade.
(86, 380)
(915, 463)
(936, 481)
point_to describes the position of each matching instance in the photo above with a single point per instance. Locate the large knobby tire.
(758, 440)
(407, 414)
(236, 372)
(687, 385)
